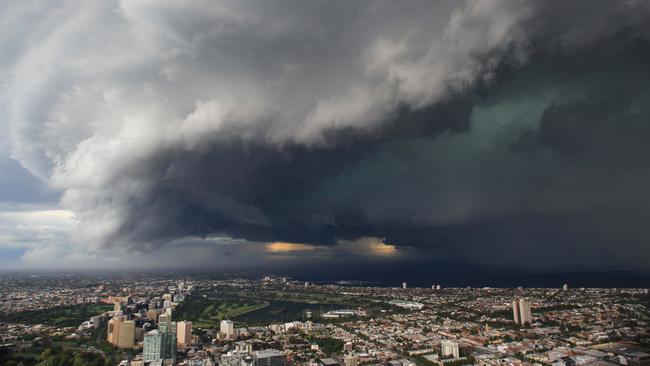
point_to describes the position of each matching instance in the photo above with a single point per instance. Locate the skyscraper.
(113, 331)
(404, 285)
(121, 332)
(164, 322)
(521, 312)
(515, 312)
(152, 346)
(228, 328)
(159, 345)
(183, 334)
(449, 348)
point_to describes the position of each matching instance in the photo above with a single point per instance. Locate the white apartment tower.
(228, 328)
(449, 348)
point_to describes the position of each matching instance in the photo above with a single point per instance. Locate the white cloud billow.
(99, 90)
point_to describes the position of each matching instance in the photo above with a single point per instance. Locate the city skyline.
(168, 319)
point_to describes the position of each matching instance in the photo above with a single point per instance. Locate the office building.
(152, 346)
(121, 332)
(449, 349)
(164, 322)
(268, 357)
(521, 312)
(159, 345)
(113, 330)
(183, 334)
(228, 328)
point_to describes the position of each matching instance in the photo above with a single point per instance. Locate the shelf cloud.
(490, 130)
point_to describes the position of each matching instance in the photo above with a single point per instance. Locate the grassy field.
(303, 297)
(207, 312)
(68, 316)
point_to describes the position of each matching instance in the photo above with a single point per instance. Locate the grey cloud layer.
(476, 127)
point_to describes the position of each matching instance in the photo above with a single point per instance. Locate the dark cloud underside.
(511, 133)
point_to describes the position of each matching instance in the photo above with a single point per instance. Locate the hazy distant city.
(155, 319)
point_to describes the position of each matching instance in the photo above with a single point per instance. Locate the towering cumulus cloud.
(475, 128)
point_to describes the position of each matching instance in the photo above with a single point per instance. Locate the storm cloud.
(491, 131)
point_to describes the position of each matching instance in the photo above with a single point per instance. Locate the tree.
(46, 354)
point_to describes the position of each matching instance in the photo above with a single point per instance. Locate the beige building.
(121, 332)
(449, 349)
(183, 334)
(521, 312)
(164, 321)
(227, 328)
(152, 315)
(118, 302)
(351, 360)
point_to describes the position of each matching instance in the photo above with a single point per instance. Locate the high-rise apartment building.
(521, 312)
(183, 334)
(159, 345)
(152, 346)
(449, 348)
(227, 328)
(121, 332)
(515, 312)
(164, 322)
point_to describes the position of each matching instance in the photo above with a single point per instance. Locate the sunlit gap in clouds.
(367, 246)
